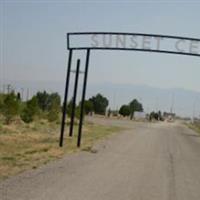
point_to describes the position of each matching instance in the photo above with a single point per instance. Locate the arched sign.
(134, 41)
(118, 41)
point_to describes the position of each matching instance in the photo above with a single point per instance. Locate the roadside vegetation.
(25, 146)
(195, 126)
(131, 108)
(29, 130)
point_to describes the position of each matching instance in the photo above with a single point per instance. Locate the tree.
(30, 110)
(54, 107)
(100, 104)
(46, 101)
(135, 105)
(10, 107)
(160, 116)
(53, 115)
(43, 100)
(19, 96)
(54, 101)
(88, 107)
(77, 109)
(156, 116)
(69, 107)
(2, 96)
(124, 110)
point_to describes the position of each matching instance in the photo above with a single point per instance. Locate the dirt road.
(147, 162)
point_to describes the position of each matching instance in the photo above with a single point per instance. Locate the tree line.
(48, 106)
(45, 105)
(41, 105)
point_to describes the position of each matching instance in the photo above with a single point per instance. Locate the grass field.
(195, 127)
(25, 146)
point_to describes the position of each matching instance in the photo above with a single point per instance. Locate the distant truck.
(169, 117)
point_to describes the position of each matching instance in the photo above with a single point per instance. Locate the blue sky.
(33, 43)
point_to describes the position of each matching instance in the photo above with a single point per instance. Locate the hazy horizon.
(185, 103)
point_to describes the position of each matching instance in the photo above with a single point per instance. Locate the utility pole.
(4, 88)
(114, 101)
(194, 109)
(27, 94)
(22, 93)
(8, 88)
(172, 104)
(156, 104)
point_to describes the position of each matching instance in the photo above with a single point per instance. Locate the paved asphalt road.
(147, 162)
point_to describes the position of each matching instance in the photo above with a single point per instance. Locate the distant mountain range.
(181, 101)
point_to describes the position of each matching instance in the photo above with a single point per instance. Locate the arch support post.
(83, 98)
(64, 107)
(74, 99)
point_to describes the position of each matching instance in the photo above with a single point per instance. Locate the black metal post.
(74, 99)
(83, 98)
(65, 99)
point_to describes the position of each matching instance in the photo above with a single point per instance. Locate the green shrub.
(26, 115)
(30, 110)
(10, 107)
(54, 108)
(52, 116)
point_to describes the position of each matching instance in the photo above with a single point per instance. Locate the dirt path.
(147, 162)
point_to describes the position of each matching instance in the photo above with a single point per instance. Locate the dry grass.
(24, 146)
(195, 127)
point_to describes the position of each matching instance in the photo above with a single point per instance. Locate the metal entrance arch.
(88, 41)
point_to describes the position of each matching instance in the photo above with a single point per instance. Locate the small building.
(139, 115)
